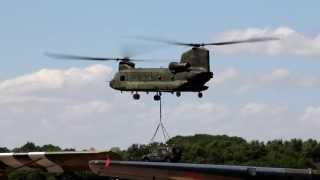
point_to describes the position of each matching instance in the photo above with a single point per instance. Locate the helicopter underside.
(195, 84)
(160, 86)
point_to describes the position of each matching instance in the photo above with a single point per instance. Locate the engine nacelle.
(178, 67)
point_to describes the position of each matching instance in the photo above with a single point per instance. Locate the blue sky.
(256, 79)
(100, 27)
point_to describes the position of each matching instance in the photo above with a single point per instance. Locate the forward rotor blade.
(87, 58)
(251, 40)
(76, 57)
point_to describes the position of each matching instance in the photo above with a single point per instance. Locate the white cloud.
(75, 113)
(309, 122)
(54, 79)
(190, 118)
(74, 108)
(312, 115)
(276, 78)
(225, 75)
(253, 108)
(291, 43)
(262, 110)
(65, 107)
(276, 75)
(189, 112)
(279, 77)
(268, 121)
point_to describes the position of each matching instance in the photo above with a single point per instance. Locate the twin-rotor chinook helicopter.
(189, 75)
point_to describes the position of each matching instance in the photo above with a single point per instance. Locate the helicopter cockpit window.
(122, 78)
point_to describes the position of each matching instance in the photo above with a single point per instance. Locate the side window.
(122, 78)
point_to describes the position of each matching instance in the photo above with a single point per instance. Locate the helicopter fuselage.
(160, 80)
(189, 75)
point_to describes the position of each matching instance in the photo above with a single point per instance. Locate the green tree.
(50, 148)
(28, 147)
(4, 149)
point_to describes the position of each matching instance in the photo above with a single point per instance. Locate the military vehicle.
(189, 75)
(163, 154)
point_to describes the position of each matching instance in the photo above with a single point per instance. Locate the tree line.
(202, 148)
(32, 147)
(223, 149)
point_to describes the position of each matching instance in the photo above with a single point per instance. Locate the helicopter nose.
(111, 83)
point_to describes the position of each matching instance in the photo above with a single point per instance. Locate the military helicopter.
(189, 75)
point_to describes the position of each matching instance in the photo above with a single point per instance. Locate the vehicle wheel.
(145, 159)
(167, 160)
(200, 95)
(178, 94)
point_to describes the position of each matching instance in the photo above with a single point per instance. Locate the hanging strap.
(165, 133)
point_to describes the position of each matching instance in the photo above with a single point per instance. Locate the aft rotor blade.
(166, 41)
(251, 40)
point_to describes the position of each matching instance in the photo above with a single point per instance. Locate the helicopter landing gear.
(157, 97)
(178, 93)
(200, 95)
(136, 96)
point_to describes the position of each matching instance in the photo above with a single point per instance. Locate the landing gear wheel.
(157, 97)
(136, 96)
(200, 95)
(178, 94)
